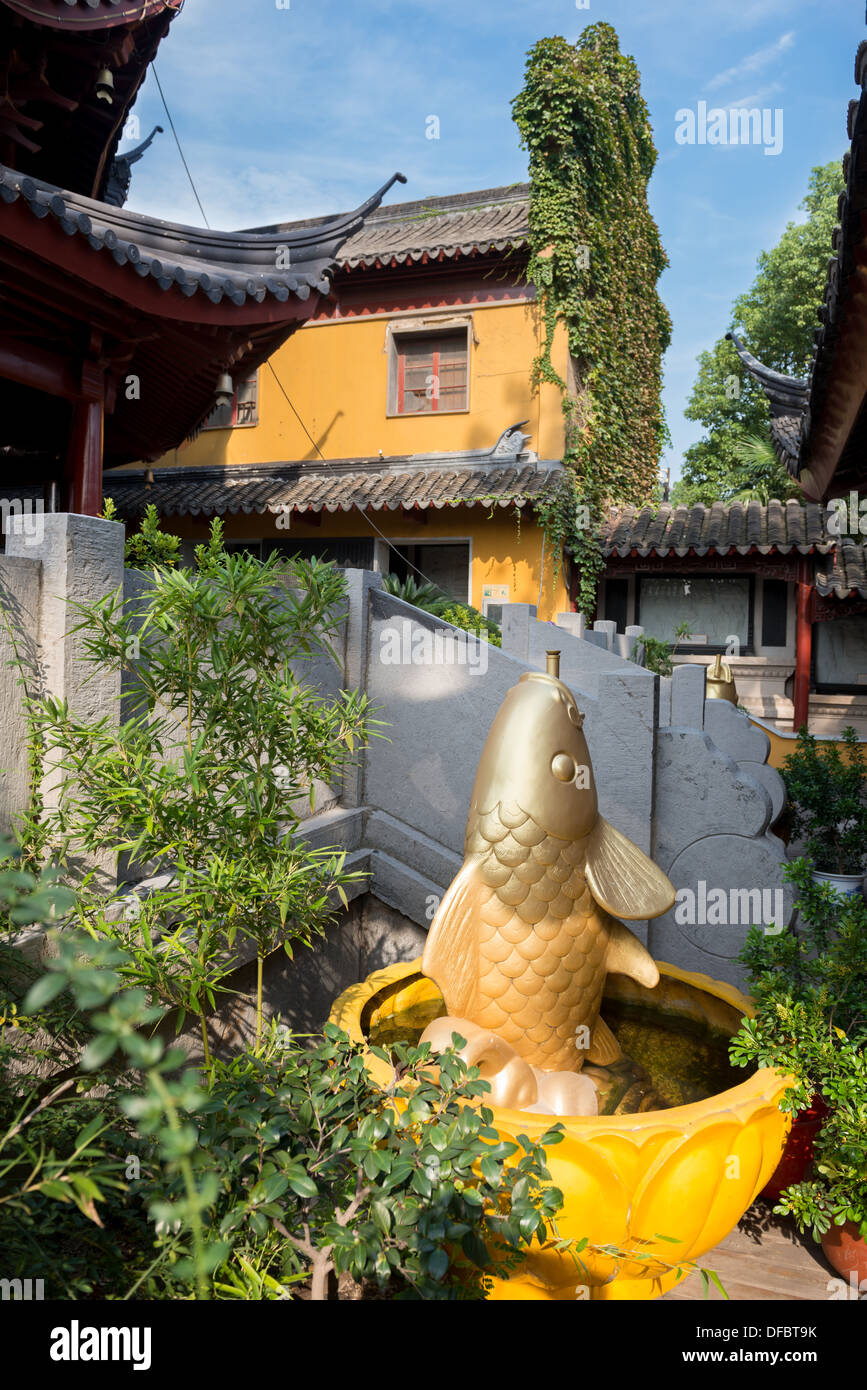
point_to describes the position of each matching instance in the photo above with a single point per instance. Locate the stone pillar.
(609, 628)
(82, 562)
(356, 657)
(518, 618)
(631, 641)
(19, 627)
(687, 697)
(572, 622)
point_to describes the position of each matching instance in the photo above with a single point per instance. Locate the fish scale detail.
(542, 940)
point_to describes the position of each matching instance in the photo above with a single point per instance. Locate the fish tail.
(604, 1048)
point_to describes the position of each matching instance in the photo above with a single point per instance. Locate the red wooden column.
(84, 457)
(803, 642)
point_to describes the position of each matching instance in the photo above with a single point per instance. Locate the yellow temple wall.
(501, 552)
(336, 375)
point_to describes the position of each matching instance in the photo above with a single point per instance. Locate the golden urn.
(666, 1184)
(720, 682)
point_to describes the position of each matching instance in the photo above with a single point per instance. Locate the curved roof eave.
(235, 265)
(86, 15)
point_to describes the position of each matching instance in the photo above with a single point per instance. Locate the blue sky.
(305, 110)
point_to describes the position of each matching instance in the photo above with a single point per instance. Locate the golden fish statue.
(720, 682)
(526, 934)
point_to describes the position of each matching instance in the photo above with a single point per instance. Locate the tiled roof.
(721, 529)
(462, 224)
(742, 528)
(844, 571)
(89, 14)
(51, 53)
(488, 476)
(238, 266)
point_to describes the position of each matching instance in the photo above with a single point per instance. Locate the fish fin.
(451, 951)
(627, 956)
(604, 1048)
(622, 878)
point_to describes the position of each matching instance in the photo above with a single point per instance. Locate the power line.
(273, 372)
(178, 143)
(370, 521)
(270, 365)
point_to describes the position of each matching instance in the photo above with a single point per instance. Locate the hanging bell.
(225, 390)
(105, 86)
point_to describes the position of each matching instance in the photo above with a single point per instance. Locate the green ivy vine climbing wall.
(595, 260)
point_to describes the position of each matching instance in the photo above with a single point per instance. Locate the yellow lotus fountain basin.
(670, 1184)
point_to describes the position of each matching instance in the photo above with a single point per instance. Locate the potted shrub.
(832, 1202)
(810, 988)
(280, 1170)
(828, 799)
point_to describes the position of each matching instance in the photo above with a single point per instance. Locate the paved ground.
(764, 1258)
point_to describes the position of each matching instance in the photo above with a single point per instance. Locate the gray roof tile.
(719, 529)
(733, 528)
(843, 572)
(486, 476)
(495, 219)
(232, 265)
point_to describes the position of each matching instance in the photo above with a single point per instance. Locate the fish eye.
(563, 767)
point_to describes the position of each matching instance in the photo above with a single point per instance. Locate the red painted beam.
(28, 365)
(84, 460)
(803, 644)
(78, 259)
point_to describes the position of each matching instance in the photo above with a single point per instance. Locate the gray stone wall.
(301, 991)
(686, 780)
(76, 559)
(20, 586)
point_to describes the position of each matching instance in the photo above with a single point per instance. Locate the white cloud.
(760, 97)
(753, 63)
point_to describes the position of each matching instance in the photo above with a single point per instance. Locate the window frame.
(235, 423)
(709, 648)
(420, 329)
(830, 687)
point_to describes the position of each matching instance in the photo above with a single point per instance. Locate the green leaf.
(475, 1249)
(438, 1264)
(58, 1190)
(42, 993)
(90, 1131)
(382, 1216)
(491, 1171)
(304, 1186)
(98, 1051)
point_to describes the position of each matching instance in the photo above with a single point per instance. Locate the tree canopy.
(775, 317)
